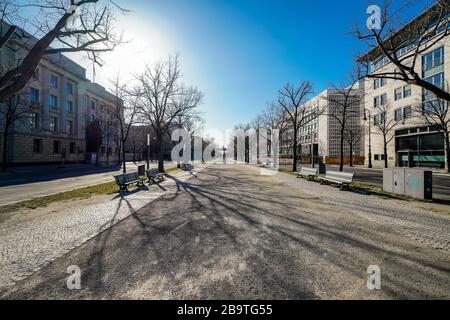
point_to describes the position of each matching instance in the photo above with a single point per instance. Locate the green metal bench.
(125, 180)
(154, 175)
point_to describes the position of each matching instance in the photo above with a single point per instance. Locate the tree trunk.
(341, 152)
(5, 148)
(385, 154)
(123, 157)
(161, 154)
(447, 150)
(351, 154)
(294, 165)
(96, 158)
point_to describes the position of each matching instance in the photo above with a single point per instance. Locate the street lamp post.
(370, 136)
(148, 151)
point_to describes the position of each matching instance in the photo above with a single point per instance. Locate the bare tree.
(59, 26)
(192, 121)
(385, 123)
(125, 111)
(275, 117)
(343, 106)
(404, 47)
(137, 141)
(257, 124)
(241, 131)
(292, 99)
(16, 108)
(437, 114)
(162, 99)
(353, 137)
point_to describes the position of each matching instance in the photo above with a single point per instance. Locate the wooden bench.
(344, 179)
(154, 175)
(127, 179)
(309, 173)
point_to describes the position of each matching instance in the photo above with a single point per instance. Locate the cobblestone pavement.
(426, 227)
(27, 247)
(230, 233)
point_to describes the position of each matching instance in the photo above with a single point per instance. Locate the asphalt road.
(230, 233)
(38, 181)
(441, 184)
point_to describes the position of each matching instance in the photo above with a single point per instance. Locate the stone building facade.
(320, 136)
(57, 101)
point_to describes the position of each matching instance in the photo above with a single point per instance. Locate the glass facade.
(420, 149)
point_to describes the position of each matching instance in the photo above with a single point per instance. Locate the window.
(379, 119)
(376, 102)
(376, 157)
(34, 95)
(69, 88)
(398, 114)
(56, 146)
(69, 106)
(436, 106)
(407, 112)
(431, 61)
(37, 145)
(34, 120)
(69, 127)
(54, 124)
(437, 80)
(53, 102)
(54, 81)
(383, 117)
(378, 83)
(398, 94)
(383, 99)
(407, 91)
(379, 63)
(72, 147)
(93, 105)
(92, 117)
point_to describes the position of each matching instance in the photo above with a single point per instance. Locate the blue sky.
(240, 52)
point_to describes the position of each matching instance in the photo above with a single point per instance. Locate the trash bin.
(322, 168)
(141, 170)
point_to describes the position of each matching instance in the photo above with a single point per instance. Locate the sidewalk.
(27, 246)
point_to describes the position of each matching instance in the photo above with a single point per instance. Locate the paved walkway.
(51, 183)
(27, 247)
(230, 233)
